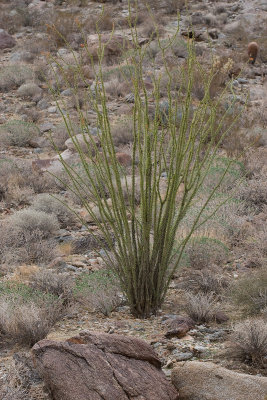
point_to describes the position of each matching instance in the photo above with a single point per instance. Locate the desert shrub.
(174, 6)
(27, 236)
(63, 28)
(206, 280)
(122, 132)
(250, 292)
(12, 76)
(60, 135)
(248, 342)
(201, 307)
(254, 193)
(99, 291)
(47, 281)
(27, 316)
(18, 133)
(30, 90)
(29, 247)
(29, 220)
(46, 203)
(204, 251)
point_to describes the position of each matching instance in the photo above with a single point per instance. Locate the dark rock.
(179, 326)
(6, 40)
(221, 317)
(99, 366)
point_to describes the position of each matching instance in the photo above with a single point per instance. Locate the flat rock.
(100, 366)
(207, 381)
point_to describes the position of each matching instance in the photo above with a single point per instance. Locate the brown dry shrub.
(250, 292)
(28, 321)
(202, 252)
(201, 307)
(47, 281)
(46, 203)
(248, 342)
(98, 291)
(174, 6)
(27, 236)
(122, 132)
(207, 280)
(254, 193)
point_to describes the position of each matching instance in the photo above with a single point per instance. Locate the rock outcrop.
(207, 381)
(100, 366)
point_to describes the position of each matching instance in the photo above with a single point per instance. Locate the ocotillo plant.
(179, 143)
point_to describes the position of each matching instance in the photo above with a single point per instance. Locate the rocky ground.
(222, 29)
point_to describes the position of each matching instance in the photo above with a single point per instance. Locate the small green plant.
(18, 133)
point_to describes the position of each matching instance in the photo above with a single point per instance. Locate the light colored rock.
(207, 381)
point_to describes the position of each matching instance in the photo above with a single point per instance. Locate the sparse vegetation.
(201, 307)
(248, 342)
(98, 291)
(18, 133)
(250, 292)
(27, 316)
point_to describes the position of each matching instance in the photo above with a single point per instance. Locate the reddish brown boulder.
(6, 40)
(179, 326)
(100, 366)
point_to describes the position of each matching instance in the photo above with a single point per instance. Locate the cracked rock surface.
(102, 366)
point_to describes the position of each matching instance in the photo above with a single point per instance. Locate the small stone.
(183, 356)
(52, 109)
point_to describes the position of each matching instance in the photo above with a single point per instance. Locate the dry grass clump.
(201, 307)
(98, 291)
(63, 28)
(18, 133)
(47, 281)
(30, 90)
(174, 6)
(254, 193)
(46, 203)
(248, 342)
(115, 88)
(18, 182)
(122, 132)
(202, 252)
(30, 220)
(207, 280)
(26, 316)
(12, 76)
(27, 236)
(250, 292)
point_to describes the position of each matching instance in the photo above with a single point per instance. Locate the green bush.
(18, 133)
